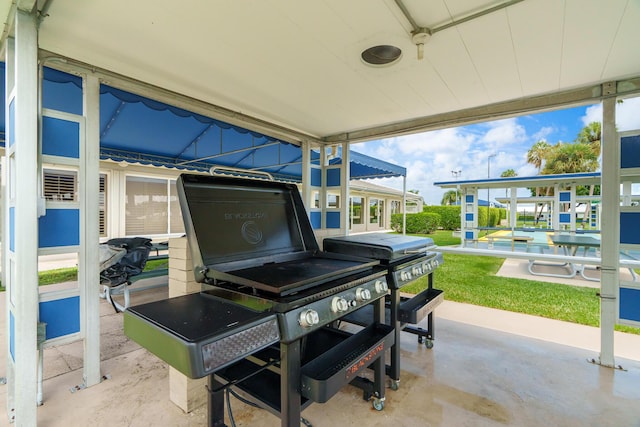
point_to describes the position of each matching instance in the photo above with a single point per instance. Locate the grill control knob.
(416, 270)
(435, 263)
(339, 304)
(381, 287)
(363, 294)
(403, 275)
(308, 318)
(426, 266)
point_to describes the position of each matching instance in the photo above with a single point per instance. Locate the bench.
(127, 287)
(511, 237)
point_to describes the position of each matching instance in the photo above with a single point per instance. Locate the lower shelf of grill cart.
(325, 375)
(262, 388)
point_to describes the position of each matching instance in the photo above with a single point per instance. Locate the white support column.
(513, 208)
(25, 287)
(306, 175)
(89, 270)
(6, 199)
(345, 189)
(404, 205)
(610, 243)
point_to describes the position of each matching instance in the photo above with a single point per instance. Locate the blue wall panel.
(333, 219)
(12, 335)
(468, 199)
(316, 177)
(468, 217)
(565, 196)
(629, 229)
(333, 177)
(630, 304)
(565, 218)
(316, 219)
(62, 316)
(468, 235)
(630, 152)
(12, 229)
(60, 137)
(59, 227)
(62, 91)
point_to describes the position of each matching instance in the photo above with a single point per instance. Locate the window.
(333, 201)
(102, 206)
(355, 213)
(395, 207)
(60, 186)
(373, 211)
(152, 207)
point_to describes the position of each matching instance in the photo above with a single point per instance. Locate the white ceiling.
(297, 63)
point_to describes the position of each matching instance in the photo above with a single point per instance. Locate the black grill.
(406, 258)
(255, 253)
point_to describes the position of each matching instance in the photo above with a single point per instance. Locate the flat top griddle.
(197, 317)
(256, 233)
(381, 246)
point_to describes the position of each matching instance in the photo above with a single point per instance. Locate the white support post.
(404, 205)
(6, 198)
(25, 287)
(89, 270)
(306, 175)
(513, 209)
(345, 189)
(610, 243)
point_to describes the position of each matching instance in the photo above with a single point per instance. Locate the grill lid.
(256, 233)
(380, 246)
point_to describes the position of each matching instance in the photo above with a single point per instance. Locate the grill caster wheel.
(378, 404)
(395, 385)
(420, 339)
(428, 343)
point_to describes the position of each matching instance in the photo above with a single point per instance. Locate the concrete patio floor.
(487, 368)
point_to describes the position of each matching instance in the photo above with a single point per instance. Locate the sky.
(433, 156)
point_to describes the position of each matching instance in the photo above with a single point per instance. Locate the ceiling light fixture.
(381, 55)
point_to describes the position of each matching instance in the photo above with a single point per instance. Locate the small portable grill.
(406, 259)
(262, 322)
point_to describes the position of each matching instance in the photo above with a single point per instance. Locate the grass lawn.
(70, 274)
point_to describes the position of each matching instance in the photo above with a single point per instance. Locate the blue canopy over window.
(137, 129)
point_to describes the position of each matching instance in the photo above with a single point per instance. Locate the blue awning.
(137, 129)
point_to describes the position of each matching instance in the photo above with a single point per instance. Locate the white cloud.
(627, 114)
(504, 132)
(543, 133)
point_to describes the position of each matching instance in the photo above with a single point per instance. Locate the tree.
(536, 156)
(507, 174)
(449, 198)
(591, 135)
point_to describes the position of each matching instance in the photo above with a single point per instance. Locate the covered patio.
(296, 73)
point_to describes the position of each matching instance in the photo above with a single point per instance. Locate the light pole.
(456, 175)
(489, 176)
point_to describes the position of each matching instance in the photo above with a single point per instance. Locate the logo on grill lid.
(251, 232)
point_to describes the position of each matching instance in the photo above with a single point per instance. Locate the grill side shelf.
(415, 309)
(325, 375)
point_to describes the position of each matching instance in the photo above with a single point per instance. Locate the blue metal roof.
(137, 129)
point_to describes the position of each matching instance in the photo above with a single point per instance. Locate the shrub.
(449, 215)
(418, 223)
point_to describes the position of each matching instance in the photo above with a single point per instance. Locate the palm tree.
(536, 156)
(508, 174)
(449, 198)
(591, 135)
